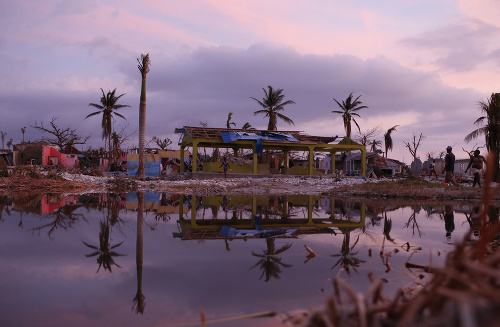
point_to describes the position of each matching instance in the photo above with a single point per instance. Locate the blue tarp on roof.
(232, 136)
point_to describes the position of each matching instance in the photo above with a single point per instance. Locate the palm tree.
(247, 126)
(229, 122)
(491, 131)
(272, 103)
(107, 108)
(374, 145)
(144, 64)
(10, 143)
(3, 139)
(269, 261)
(349, 108)
(388, 139)
(23, 130)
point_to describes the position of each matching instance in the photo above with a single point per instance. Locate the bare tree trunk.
(144, 69)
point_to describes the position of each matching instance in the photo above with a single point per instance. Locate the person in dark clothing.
(449, 167)
(476, 161)
(449, 220)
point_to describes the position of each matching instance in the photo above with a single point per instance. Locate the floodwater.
(99, 260)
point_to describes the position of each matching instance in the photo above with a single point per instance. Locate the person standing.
(449, 167)
(476, 161)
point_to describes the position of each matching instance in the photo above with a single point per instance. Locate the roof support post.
(181, 165)
(310, 210)
(195, 156)
(193, 211)
(254, 206)
(332, 210)
(363, 161)
(255, 160)
(286, 163)
(311, 160)
(332, 153)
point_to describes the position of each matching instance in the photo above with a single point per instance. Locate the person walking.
(432, 169)
(225, 166)
(449, 167)
(476, 161)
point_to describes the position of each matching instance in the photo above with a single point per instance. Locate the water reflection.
(183, 262)
(139, 299)
(270, 261)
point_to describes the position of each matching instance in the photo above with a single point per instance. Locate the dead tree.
(62, 137)
(413, 145)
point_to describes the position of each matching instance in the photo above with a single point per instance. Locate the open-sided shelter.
(260, 140)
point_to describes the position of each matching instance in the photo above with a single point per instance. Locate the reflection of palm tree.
(270, 262)
(387, 228)
(105, 251)
(139, 299)
(346, 256)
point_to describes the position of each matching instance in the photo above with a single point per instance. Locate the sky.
(423, 65)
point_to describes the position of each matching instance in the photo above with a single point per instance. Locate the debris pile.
(18, 186)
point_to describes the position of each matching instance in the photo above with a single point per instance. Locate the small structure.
(157, 162)
(259, 140)
(44, 154)
(351, 163)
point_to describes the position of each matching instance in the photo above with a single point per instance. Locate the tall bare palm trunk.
(144, 69)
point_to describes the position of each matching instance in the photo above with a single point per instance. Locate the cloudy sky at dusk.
(422, 65)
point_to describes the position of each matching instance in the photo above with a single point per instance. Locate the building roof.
(217, 134)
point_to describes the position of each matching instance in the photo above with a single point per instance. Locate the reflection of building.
(303, 213)
(47, 204)
(159, 202)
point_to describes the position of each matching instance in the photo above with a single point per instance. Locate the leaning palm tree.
(247, 126)
(107, 108)
(491, 131)
(388, 139)
(349, 108)
(229, 122)
(272, 103)
(144, 64)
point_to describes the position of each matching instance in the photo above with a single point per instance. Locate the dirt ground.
(345, 187)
